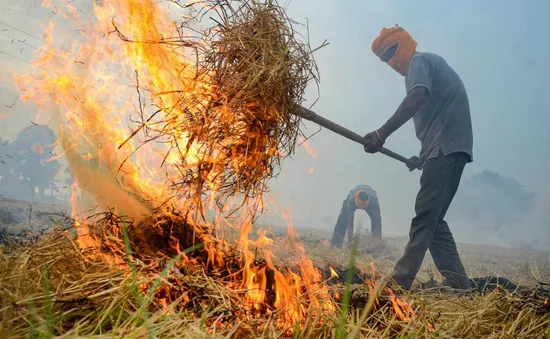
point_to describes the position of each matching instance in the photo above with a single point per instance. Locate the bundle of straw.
(237, 122)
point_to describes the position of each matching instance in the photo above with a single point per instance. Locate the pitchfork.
(314, 117)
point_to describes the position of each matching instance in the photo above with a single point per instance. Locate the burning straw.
(51, 289)
(251, 72)
(210, 118)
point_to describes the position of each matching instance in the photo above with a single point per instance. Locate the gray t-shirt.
(370, 191)
(443, 123)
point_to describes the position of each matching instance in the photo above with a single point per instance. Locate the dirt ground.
(17, 215)
(519, 265)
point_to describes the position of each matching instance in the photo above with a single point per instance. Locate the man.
(437, 101)
(361, 197)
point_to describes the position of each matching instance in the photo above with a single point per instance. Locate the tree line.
(29, 161)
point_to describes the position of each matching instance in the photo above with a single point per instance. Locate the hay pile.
(174, 240)
(52, 288)
(154, 239)
(234, 126)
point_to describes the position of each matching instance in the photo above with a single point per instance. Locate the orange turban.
(406, 46)
(361, 204)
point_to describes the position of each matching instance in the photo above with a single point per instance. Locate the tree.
(5, 158)
(31, 153)
(491, 200)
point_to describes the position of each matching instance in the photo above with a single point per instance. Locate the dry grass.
(230, 126)
(52, 289)
(233, 124)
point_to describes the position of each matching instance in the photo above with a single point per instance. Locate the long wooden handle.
(314, 117)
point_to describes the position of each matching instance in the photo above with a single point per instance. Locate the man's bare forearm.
(406, 110)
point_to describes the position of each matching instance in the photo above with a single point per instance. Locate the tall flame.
(91, 91)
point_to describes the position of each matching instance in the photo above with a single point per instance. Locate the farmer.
(437, 101)
(361, 197)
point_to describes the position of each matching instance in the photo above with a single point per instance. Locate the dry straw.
(252, 70)
(50, 288)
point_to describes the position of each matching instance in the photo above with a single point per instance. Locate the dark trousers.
(438, 184)
(342, 223)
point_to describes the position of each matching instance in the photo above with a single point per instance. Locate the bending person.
(361, 197)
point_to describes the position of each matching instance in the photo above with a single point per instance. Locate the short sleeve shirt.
(443, 123)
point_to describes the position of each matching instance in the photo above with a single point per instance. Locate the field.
(18, 216)
(49, 288)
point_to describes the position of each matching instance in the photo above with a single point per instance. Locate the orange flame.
(399, 307)
(333, 273)
(311, 151)
(88, 88)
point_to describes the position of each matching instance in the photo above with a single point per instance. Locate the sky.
(499, 49)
